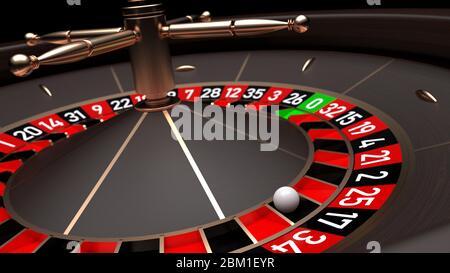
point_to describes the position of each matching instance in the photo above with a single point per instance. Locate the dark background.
(20, 16)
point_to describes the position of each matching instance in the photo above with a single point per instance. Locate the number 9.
(97, 108)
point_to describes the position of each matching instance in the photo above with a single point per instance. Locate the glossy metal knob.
(22, 65)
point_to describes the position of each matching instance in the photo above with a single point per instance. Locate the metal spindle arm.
(117, 38)
(68, 36)
(22, 65)
(146, 32)
(233, 28)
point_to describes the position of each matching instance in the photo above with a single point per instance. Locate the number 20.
(28, 133)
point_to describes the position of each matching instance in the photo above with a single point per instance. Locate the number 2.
(383, 174)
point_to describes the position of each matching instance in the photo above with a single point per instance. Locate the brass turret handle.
(146, 32)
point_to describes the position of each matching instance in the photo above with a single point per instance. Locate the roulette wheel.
(94, 160)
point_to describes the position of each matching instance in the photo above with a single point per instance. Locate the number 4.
(370, 142)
